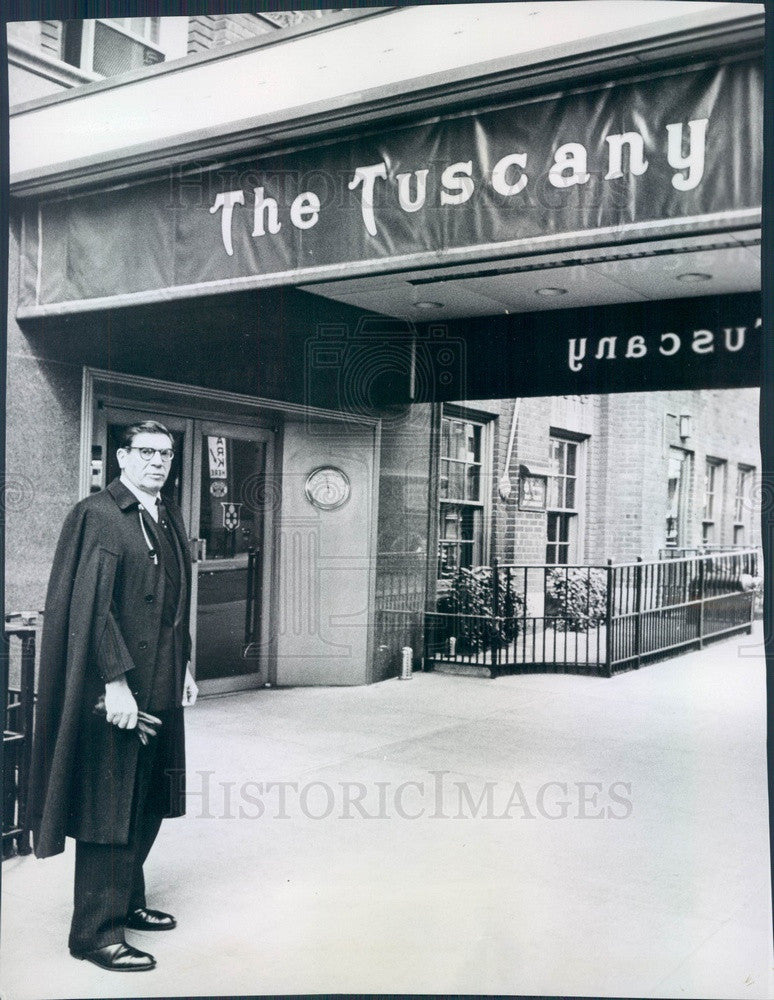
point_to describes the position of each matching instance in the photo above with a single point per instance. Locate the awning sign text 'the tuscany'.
(685, 147)
(614, 161)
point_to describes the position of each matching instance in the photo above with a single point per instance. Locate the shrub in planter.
(470, 593)
(576, 598)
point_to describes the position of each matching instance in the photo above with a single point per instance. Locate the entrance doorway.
(221, 477)
(232, 475)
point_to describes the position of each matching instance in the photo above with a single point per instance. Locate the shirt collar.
(148, 500)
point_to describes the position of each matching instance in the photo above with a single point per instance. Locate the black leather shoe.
(120, 957)
(150, 920)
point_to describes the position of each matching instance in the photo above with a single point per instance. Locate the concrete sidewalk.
(667, 894)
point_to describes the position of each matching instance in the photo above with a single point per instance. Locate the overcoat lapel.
(178, 527)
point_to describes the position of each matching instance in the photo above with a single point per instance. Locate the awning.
(653, 154)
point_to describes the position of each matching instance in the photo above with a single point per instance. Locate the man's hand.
(190, 690)
(120, 706)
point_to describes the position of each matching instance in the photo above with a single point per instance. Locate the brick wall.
(628, 467)
(26, 32)
(575, 416)
(625, 440)
(724, 426)
(526, 535)
(210, 31)
(51, 38)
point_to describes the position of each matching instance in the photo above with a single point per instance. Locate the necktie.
(162, 511)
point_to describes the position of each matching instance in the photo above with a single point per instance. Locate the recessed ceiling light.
(428, 304)
(550, 292)
(694, 277)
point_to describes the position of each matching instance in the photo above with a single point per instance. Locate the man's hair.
(146, 427)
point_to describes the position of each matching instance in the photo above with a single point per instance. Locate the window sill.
(56, 70)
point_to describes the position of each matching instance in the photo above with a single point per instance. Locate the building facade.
(327, 287)
(598, 477)
(45, 57)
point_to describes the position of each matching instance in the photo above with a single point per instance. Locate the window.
(677, 497)
(563, 500)
(460, 495)
(112, 46)
(144, 27)
(743, 505)
(712, 514)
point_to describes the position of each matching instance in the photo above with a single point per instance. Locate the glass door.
(232, 528)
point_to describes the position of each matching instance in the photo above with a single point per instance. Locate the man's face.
(147, 474)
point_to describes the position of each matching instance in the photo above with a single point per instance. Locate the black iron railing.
(399, 616)
(400, 580)
(19, 651)
(700, 550)
(592, 619)
(667, 605)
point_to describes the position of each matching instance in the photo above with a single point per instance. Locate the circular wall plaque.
(327, 487)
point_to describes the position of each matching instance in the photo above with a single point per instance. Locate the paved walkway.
(666, 894)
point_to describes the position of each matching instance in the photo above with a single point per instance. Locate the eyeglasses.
(166, 454)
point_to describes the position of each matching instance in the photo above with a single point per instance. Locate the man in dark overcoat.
(115, 647)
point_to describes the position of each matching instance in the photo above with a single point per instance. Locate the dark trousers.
(109, 880)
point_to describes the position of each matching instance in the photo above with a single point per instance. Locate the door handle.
(198, 549)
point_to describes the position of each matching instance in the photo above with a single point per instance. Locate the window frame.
(150, 23)
(742, 507)
(683, 517)
(573, 517)
(88, 35)
(712, 515)
(566, 523)
(485, 421)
